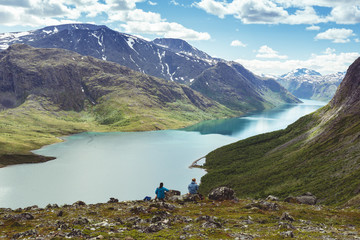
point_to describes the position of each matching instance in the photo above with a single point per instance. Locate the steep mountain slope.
(182, 47)
(52, 92)
(106, 44)
(319, 153)
(237, 88)
(171, 59)
(309, 84)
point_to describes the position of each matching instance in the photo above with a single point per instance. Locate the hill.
(319, 153)
(45, 93)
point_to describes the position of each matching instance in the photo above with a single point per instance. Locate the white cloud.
(174, 2)
(326, 63)
(237, 43)
(219, 9)
(152, 3)
(267, 52)
(124, 12)
(329, 51)
(338, 35)
(165, 29)
(313, 28)
(276, 11)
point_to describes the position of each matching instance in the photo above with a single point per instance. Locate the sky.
(270, 37)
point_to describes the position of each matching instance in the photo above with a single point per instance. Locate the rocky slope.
(46, 93)
(205, 219)
(309, 84)
(171, 59)
(318, 153)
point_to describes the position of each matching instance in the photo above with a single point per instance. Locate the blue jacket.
(160, 192)
(193, 188)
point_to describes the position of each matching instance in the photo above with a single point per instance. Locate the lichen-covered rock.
(286, 216)
(222, 193)
(306, 198)
(272, 198)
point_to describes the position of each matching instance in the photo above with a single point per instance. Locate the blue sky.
(266, 36)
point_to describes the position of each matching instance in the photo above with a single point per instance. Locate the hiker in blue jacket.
(160, 192)
(193, 187)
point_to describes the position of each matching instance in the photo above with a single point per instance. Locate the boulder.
(306, 198)
(222, 193)
(113, 200)
(172, 193)
(272, 198)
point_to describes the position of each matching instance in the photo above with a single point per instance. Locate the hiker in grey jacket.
(193, 187)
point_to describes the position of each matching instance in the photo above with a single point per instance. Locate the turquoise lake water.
(93, 167)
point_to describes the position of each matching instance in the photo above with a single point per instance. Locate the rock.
(113, 200)
(61, 225)
(264, 205)
(79, 203)
(60, 214)
(155, 227)
(17, 217)
(172, 193)
(222, 193)
(31, 232)
(286, 216)
(287, 234)
(138, 209)
(162, 205)
(34, 207)
(75, 233)
(210, 222)
(286, 225)
(306, 198)
(81, 221)
(49, 206)
(272, 198)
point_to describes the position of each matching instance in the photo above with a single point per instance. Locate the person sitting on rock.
(160, 192)
(193, 187)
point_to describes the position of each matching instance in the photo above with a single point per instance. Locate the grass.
(310, 155)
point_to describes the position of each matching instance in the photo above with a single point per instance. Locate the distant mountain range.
(171, 59)
(319, 153)
(309, 84)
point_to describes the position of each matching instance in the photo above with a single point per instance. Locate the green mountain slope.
(237, 88)
(46, 93)
(319, 153)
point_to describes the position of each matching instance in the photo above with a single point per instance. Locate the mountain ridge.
(309, 84)
(170, 59)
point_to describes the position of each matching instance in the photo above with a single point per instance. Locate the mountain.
(237, 88)
(103, 43)
(171, 59)
(309, 84)
(319, 153)
(45, 93)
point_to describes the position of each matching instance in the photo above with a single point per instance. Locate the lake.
(93, 167)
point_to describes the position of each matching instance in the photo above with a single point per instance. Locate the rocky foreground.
(183, 218)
